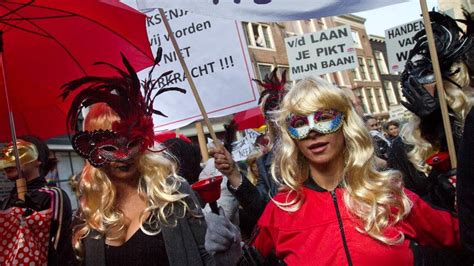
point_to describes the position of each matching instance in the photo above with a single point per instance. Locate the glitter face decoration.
(323, 122)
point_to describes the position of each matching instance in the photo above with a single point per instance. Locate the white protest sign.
(266, 10)
(241, 149)
(216, 54)
(399, 113)
(399, 41)
(251, 135)
(321, 52)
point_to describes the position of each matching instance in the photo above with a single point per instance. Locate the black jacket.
(465, 185)
(254, 198)
(184, 242)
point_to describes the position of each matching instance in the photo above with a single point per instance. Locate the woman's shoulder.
(282, 204)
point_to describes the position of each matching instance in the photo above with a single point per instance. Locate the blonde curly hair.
(158, 184)
(375, 198)
(456, 100)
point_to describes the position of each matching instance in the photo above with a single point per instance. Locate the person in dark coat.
(35, 165)
(254, 198)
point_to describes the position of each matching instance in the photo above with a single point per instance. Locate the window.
(340, 78)
(258, 35)
(372, 100)
(362, 69)
(280, 71)
(380, 99)
(356, 73)
(392, 98)
(362, 100)
(372, 71)
(381, 62)
(290, 34)
(264, 69)
(356, 39)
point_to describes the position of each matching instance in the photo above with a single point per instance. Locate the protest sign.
(399, 113)
(216, 54)
(399, 42)
(241, 149)
(265, 10)
(321, 52)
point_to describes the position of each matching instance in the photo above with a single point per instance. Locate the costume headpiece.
(133, 133)
(469, 55)
(26, 150)
(451, 44)
(274, 88)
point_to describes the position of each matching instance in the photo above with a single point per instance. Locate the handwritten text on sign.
(321, 52)
(399, 41)
(217, 57)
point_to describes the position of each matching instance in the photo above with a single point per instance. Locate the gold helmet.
(26, 150)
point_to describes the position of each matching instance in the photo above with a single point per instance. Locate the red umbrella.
(251, 118)
(47, 43)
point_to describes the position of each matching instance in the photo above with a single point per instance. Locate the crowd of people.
(324, 186)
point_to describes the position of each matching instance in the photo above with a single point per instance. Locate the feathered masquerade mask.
(274, 88)
(451, 44)
(133, 133)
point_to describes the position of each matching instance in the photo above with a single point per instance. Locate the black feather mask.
(274, 91)
(452, 43)
(134, 132)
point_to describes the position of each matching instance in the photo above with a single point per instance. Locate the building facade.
(390, 82)
(365, 79)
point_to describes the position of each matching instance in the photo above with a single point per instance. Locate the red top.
(313, 236)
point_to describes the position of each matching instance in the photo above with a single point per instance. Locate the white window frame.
(384, 68)
(374, 68)
(313, 25)
(251, 35)
(290, 34)
(264, 64)
(325, 24)
(365, 100)
(340, 77)
(367, 74)
(287, 71)
(374, 100)
(390, 92)
(384, 106)
(356, 38)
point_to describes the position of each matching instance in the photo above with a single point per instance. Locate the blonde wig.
(456, 100)
(158, 184)
(252, 161)
(375, 198)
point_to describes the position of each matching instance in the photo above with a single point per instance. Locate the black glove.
(420, 102)
(442, 190)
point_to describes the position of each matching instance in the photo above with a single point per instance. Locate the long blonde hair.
(456, 100)
(375, 198)
(158, 184)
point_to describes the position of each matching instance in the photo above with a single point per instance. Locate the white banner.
(321, 52)
(399, 41)
(216, 54)
(266, 10)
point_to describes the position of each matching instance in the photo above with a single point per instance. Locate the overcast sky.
(378, 20)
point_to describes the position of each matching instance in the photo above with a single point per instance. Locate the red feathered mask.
(133, 133)
(274, 88)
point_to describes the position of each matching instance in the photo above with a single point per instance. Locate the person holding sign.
(423, 138)
(254, 198)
